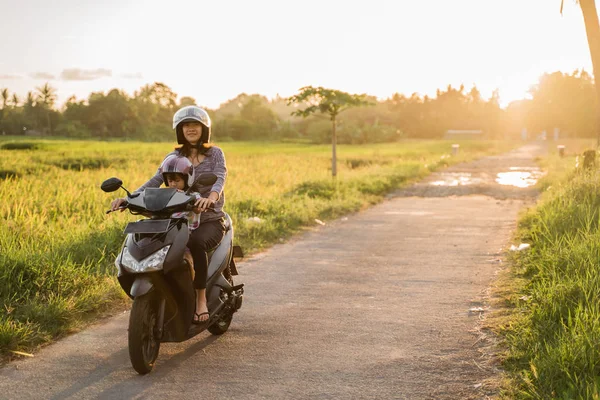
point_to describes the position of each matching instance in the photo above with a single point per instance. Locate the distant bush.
(315, 189)
(21, 146)
(354, 163)
(7, 174)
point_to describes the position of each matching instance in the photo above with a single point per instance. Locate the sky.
(215, 50)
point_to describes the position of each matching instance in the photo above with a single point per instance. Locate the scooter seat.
(227, 224)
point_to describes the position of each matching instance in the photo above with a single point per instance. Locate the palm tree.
(592, 30)
(15, 100)
(47, 96)
(28, 108)
(5, 97)
(30, 100)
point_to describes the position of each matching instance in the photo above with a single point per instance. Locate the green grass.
(57, 245)
(552, 337)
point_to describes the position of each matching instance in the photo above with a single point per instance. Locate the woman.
(192, 126)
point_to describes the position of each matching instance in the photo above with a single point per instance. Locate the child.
(178, 173)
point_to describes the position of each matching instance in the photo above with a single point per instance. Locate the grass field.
(57, 246)
(552, 333)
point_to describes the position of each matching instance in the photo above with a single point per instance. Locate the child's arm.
(197, 196)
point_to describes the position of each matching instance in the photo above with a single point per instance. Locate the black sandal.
(197, 316)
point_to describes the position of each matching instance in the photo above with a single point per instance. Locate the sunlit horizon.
(214, 52)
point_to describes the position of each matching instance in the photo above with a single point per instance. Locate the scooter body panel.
(142, 284)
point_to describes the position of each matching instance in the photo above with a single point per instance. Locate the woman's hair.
(186, 149)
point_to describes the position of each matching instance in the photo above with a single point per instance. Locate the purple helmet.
(175, 164)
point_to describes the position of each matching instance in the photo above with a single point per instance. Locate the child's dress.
(193, 223)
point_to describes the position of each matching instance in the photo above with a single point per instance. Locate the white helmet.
(191, 113)
(175, 164)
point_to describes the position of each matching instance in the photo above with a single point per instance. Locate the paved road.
(372, 306)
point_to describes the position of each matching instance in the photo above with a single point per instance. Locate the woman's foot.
(201, 315)
(200, 318)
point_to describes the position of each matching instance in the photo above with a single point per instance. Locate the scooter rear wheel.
(220, 327)
(143, 341)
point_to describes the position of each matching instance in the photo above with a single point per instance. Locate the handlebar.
(188, 207)
(120, 209)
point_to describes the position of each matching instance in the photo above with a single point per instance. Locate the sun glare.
(381, 48)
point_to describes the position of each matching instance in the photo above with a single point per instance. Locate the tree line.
(560, 100)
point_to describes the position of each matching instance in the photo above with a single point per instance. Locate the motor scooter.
(155, 271)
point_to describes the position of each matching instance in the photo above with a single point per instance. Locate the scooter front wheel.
(143, 341)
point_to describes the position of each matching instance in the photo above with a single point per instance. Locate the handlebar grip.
(120, 209)
(190, 207)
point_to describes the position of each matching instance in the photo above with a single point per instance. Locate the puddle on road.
(521, 177)
(456, 179)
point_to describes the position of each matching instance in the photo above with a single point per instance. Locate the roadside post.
(455, 148)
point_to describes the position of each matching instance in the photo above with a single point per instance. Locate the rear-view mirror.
(111, 185)
(205, 179)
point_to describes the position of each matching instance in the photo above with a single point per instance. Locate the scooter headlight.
(153, 262)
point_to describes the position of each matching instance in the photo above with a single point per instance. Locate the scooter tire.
(220, 326)
(143, 343)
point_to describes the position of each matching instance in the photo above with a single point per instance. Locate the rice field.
(57, 245)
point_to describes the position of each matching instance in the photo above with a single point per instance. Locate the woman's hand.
(114, 206)
(203, 204)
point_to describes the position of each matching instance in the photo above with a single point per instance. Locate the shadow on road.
(136, 384)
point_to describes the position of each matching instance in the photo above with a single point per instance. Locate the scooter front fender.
(141, 286)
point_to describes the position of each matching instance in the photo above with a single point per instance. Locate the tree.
(109, 115)
(47, 97)
(326, 101)
(30, 100)
(5, 97)
(262, 119)
(187, 101)
(592, 30)
(29, 105)
(160, 94)
(565, 101)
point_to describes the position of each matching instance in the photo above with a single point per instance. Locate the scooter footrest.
(237, 287)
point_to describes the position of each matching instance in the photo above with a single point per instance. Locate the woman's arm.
(220, 170)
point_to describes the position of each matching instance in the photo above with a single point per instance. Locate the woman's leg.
(206, 237)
